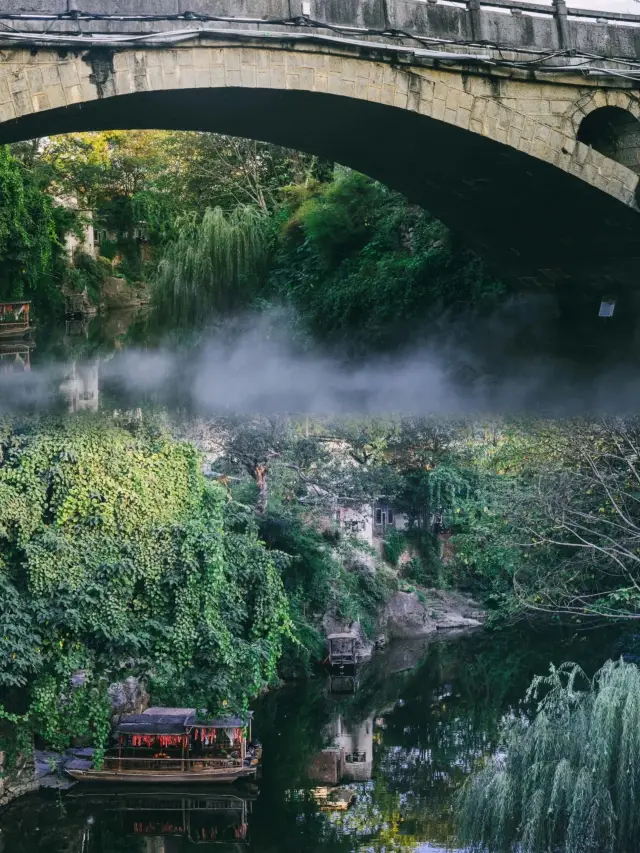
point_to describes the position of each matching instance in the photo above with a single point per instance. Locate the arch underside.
(532, 221)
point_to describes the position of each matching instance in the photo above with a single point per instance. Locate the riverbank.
(40, 768)
(411, 614)
(427, 709)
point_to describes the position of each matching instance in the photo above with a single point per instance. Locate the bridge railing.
(600, 15)
(46, 10)
(594, 32)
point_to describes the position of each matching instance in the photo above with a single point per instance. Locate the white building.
(369, 522)
(86, 241)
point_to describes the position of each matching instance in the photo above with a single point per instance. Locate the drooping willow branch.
(213, 265)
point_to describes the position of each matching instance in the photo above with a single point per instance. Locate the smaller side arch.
(615, 132)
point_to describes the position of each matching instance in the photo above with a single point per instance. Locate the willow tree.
(213, 265)
(569, 781)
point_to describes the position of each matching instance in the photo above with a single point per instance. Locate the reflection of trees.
(450, 718)
(436, 721)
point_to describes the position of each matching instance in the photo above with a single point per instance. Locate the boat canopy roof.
(167, 721)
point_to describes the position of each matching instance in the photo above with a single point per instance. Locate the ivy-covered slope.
(116, 556)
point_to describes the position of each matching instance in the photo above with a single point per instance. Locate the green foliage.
(569, 780)
(213, 265)
(117, 556)
(425, 567)
(395, 544)
(88, 274)
(360, 266)
(366, 270)
(28, 240)
(315, 583)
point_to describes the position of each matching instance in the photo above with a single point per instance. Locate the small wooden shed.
(342, 650)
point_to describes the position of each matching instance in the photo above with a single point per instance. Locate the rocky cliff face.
(411, 615)
(127, 697)
(18, 780)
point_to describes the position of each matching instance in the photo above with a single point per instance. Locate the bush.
(88, 274)
(395, 545)
(113, 548)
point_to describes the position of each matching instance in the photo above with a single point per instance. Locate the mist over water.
(262, 368)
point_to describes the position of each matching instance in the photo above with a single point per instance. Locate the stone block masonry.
(496, 152)
(539, 119)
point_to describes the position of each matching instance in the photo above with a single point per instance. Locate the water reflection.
(165, 820)
(395, 751)
(15, 358)
(154, 820)
(349, 758)
(81, 386)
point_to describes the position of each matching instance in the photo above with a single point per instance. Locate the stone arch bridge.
(516, 124)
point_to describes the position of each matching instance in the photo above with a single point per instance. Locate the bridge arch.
(500, 162)
(614, 131)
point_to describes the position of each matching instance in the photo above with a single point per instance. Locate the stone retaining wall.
(19, 780)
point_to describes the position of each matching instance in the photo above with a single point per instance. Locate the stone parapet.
(525, 26)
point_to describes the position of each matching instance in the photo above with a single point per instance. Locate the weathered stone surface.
(411, 615)
(128, 697)
(414, 17)
(20, 780)
(495, 157)
(405, 617)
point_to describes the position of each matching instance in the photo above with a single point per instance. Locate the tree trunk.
(261, 475)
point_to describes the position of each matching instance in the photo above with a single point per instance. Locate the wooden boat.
(14, 319)
(78, 305)
(173, 746)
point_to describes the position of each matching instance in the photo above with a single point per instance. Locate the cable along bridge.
(513, 122)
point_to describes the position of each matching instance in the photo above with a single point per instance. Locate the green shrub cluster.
(117, 558)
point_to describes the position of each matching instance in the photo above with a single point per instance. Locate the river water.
(422, 715)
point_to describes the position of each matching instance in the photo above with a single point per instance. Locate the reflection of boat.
(217, 816)
(343, 683)
(76, 329)
(14, 319)
(172, 746)
(15, 357)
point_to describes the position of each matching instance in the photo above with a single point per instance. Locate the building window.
(390, 516)
(378, 516)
